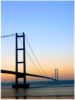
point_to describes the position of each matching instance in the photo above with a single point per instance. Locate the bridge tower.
(23, 62)
(56, 74)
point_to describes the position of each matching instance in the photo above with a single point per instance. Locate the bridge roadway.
(27, 74)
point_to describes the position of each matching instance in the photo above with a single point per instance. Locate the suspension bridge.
(23, 62)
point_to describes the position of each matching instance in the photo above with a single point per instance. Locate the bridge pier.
(21, 86)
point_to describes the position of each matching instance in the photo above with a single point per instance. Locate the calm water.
(65, 91)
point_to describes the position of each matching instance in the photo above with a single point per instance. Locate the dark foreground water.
(45, 91)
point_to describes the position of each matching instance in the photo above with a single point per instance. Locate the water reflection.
(40, 92)
(18, 95)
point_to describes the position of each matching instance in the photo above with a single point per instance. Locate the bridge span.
(27, 74)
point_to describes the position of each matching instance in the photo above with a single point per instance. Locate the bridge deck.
(27, 74)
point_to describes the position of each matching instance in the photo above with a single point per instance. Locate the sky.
(49, 27)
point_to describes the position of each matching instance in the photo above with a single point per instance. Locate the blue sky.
(49, 27)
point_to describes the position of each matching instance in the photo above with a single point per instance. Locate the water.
(45, 91)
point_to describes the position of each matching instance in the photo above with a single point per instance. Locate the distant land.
(44, 83)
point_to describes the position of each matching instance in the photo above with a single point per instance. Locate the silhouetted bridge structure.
(27, 74)
(23, 62)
